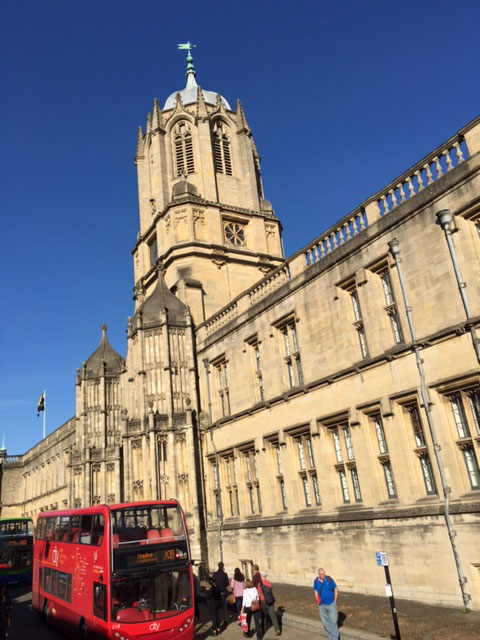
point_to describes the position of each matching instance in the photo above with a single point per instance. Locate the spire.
(201, 106)
(2, 448)
(240, 118)
(139, 151)
(148, 128)
(157, 119)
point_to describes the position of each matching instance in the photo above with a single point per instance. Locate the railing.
(336, 236)
(12, 458)
(270, 283)
(222, 318)
(431, 168)
(423, 174)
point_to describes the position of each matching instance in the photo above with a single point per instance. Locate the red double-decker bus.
(118, 571)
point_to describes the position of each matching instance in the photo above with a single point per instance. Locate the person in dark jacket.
(220, 578)
(214, 602)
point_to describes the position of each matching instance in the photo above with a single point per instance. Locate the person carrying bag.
(267, 603)
(251, 606)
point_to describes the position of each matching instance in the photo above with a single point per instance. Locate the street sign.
(382, 558)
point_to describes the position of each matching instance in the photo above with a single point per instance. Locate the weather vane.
(188, 46)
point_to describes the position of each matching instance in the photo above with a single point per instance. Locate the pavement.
(360, 618)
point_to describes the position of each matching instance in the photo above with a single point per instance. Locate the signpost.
(382, 561)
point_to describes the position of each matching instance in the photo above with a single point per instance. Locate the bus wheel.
(83, 630)
(46, 612)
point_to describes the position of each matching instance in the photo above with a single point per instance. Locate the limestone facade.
(308, 411)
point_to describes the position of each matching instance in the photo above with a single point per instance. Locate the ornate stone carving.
(110, 466)
(270, 229)
(133, 426)
(218, 257)
(163, 478)
(161, 422)
(77, 503)
(183, 478)
(199, 216)
(167, 222)
(138, 485)
(136, 444)
(110, 498)
(181, 217)
(77, 471)
(179, 419)
(96, 467)
(96, 500)
(180, 437)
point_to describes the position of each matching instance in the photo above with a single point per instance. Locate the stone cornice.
(353, 514)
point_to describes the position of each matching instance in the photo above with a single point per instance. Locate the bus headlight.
(185, 625)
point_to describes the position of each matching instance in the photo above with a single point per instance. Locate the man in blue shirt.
(326, 594)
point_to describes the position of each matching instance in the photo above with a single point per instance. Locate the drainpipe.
(445, 220)
(220, 541)
(394, 247)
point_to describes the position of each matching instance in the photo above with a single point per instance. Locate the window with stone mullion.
(471, 464)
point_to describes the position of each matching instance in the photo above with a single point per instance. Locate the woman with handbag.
(251, 606)
(237, 585)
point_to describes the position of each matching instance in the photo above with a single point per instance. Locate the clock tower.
(203, 216)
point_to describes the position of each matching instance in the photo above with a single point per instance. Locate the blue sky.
(341, 97)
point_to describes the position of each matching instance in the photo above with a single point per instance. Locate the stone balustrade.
(431, 168)
(336, 236)
(222, 318)
(270, 283)
(423, 174)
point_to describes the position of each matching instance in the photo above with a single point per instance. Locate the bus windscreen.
(146, 598)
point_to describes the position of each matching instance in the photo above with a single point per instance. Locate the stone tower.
(202, 211)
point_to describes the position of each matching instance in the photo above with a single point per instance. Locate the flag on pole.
(41, 404)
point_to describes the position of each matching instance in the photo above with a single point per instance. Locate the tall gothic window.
(221, 149)
(183, 147)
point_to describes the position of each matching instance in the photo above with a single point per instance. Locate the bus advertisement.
(16, 546)
(118, 571)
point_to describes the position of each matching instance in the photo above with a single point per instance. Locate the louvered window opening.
(184, 151)
(221, 151)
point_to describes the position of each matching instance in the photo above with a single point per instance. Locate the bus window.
(56, 529)
(86, 529)
(50, 528)
(41, 528)
(175, 522)
(74, 530)
(62, 531)
(100, 600)
(98, 529)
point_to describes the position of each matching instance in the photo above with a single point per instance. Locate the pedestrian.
(251, 606)
(221, 580)
(214, 602)
(238, 585)
(326, 593)
(257, 578)
(5, 607)
(196, 593)
(267, 603)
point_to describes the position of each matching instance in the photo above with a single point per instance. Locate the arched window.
(221, 149)
(183, 148)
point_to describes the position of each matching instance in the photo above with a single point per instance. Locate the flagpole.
(44, 412)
